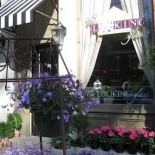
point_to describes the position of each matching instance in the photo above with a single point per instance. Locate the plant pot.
(4, 142)
(119, 148)
(44, 125)
(69, 151)
(81, 142)
(16, 134)
(105, 145)
(1, 144)
(132, 148)
(146, 149)
(94, 144)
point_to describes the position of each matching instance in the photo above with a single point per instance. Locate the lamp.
(58, 34)
(97, 84)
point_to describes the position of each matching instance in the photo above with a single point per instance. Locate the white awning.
(16, 12)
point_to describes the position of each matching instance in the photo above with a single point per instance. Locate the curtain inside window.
(90, 43)
(135, 9)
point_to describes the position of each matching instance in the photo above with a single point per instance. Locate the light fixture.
(97, 84)
(58, 34)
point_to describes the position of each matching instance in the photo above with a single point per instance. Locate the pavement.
(27, 140)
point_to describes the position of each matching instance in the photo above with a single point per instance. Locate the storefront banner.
(112, 27)
(114, 21)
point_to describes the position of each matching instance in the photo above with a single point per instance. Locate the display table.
(77, 150)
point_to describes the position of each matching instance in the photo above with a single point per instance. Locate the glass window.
(123, 79)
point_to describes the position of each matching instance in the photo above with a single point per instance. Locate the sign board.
(115, 21)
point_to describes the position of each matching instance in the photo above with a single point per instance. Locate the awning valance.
(16, 12)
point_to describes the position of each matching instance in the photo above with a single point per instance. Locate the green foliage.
(92, 137)
(5, 129)
(118, 139)
(57, 142)
(106, 88)
(14, 120)
(80, 120)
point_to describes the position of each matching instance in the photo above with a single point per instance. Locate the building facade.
(105, 41)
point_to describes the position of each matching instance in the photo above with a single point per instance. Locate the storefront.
(118, 56)
(106, 40)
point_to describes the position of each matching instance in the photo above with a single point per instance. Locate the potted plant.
(105, 137)
(118, 139)
(14, 120)
(42, 95)
(147, 139)
(92, 138)
(80, 122)
(105, 93)
(5, 132)
(132, 140)
(57, 145)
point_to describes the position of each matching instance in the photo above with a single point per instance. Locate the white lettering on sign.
(108, 26)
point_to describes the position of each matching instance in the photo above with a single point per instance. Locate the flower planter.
(105, 145)
(132, 148)
(119, 148)
(146, 149)
(94, 144)
(81, 142)
(69, 151)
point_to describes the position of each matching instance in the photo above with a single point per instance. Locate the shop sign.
(105, 27)
(129, 96)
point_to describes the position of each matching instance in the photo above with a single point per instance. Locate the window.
(119, 69)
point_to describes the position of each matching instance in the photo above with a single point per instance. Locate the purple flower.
(49, 94)
(88, 104)
(69, 105)
(97, 102)
(44, 99)
(66, 117)
(39, 86)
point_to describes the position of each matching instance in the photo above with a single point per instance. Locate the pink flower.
(141, 131)
(91, 132)
(120, 133)
(96, 130)
(131, 130)
(121, 127)
(105, 128)
(99, 131)
(133, 136)
(151, 134)
(145, 135)
(116, 128)
(110, 134)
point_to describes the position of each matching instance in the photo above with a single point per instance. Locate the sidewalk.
(22, 140)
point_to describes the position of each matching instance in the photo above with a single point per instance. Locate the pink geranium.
(147, 136)
(106, 133)
(119, 135)
(93, 134)
(133, 135)
(105, 128)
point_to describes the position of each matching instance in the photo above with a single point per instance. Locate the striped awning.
(16, 12)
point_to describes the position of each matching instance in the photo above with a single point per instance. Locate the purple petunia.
(49, 94)
(44, 99)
